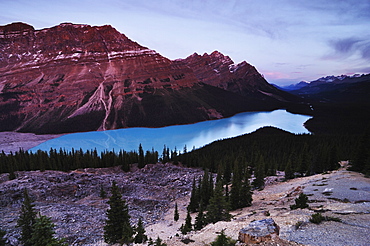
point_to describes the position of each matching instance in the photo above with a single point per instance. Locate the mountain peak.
(15, 27)
(77, 77)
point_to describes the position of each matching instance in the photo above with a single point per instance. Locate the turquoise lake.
(192, 135)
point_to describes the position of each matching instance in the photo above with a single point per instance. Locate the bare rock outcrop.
(73, 199)
(259, 231)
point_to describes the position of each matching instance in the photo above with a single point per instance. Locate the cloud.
(366, 51)
(347, 47)
(344, 46)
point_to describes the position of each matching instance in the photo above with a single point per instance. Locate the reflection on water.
(192, 135)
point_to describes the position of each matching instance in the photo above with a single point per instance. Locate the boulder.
(259, 231)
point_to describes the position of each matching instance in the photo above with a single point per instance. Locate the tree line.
(270, 149)
(63, 160)
(263, 152)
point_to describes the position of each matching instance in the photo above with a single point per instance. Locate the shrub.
(317, 218)
(300, 202)
(223, 240)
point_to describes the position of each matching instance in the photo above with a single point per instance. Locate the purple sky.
(286, 40)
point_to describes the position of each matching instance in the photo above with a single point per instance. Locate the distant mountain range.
(343, 88)
(73, 77)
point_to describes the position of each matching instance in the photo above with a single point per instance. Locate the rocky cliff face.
(72, 78)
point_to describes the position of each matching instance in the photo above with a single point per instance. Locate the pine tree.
(194, 198)
(150, 242)
(300, 202)
(141, 163)
(44, 233)
(235, 192)
(27, 219)
(188, 226)
(205, 190)
(246, 194)
(289, 173)
(176, 215)
(2, 239)
(158, 242)
(117, 228)
(218, 208)
(223, 240)
(140, 236)
(200, 221)
(259, 181)
(102, 194)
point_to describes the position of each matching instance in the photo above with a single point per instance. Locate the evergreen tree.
(2, 239)
(12, 175)
(176, 215)
(259, 181)
(235, 193)
(27, 219)
(227, 173)
(289, 173)
(205, 190)
(102, 194)
(117, 228)
(218, 208)
(188, 226)
(223, 240)
(361, 161)
(43, 233)
(165, 155)
(245, 192)
(150, 242)
(300, 202)
(140, 236)
(158, 242)
(194, 198)
(141, 162)
(304, 160)
(200, 221)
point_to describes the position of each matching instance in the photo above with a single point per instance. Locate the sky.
(286, 40)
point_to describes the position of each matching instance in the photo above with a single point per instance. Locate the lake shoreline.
(177, 136)
(14, 141)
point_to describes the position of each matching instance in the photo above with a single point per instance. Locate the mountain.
(74, 77)
(293, 87)
(354, 89)
(340, 104)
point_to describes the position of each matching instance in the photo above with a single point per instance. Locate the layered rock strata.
(73, 77)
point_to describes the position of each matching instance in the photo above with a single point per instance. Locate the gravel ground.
(13, 141)
(341, 194)
(276, 200)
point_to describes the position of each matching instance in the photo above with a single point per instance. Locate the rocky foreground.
(72, 200)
